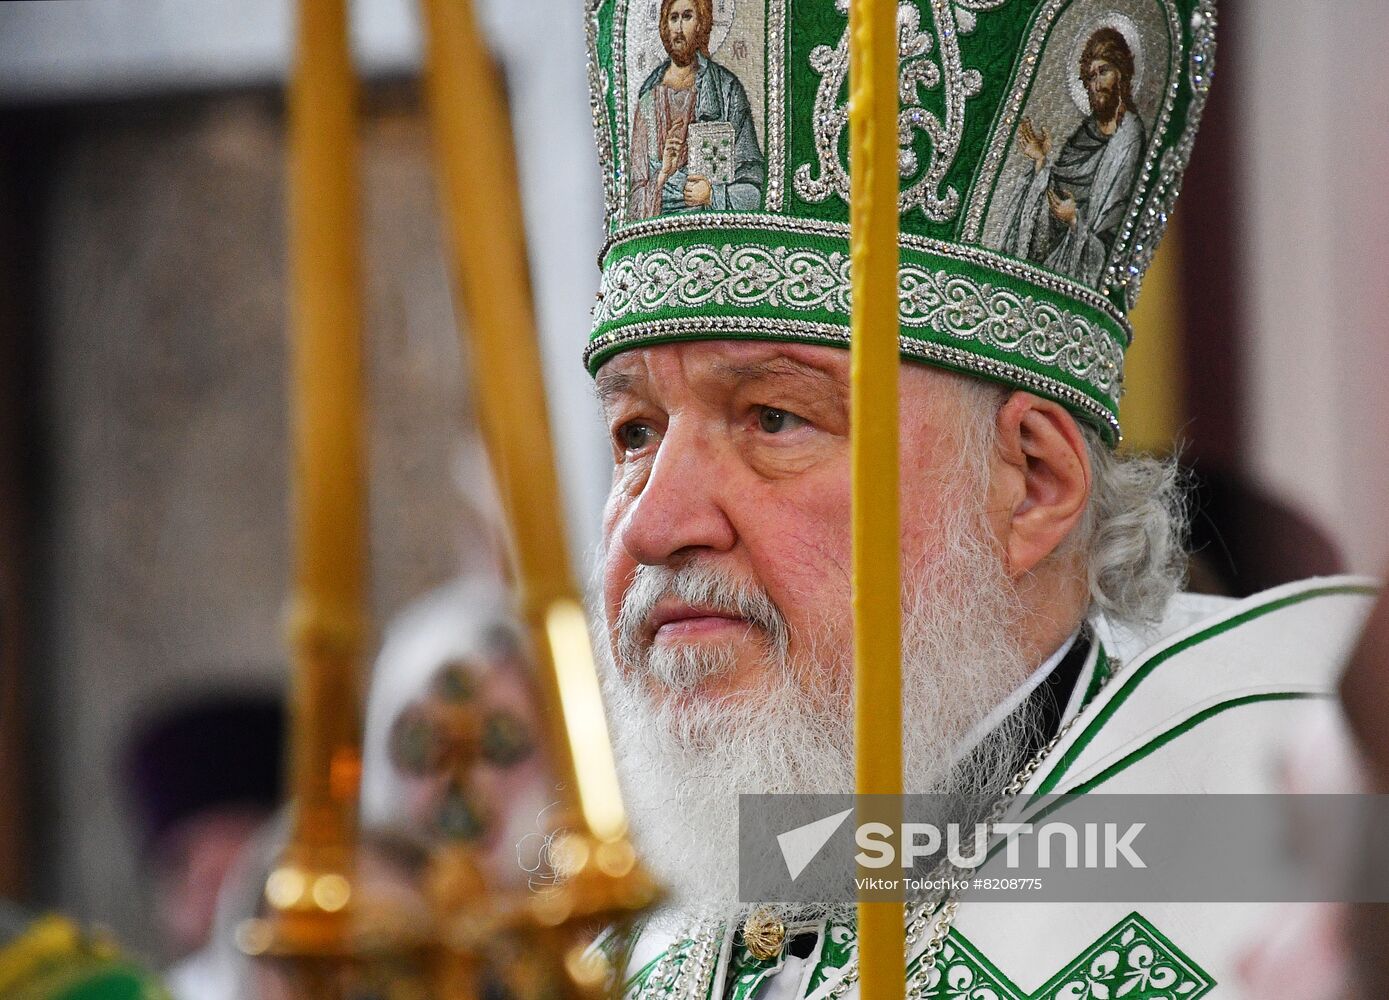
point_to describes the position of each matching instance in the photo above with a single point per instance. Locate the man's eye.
(634, 437)
(774, 421)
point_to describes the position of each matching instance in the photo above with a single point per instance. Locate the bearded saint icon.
(694, 145)
(1067, 216)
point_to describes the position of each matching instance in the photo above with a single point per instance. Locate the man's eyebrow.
(609, 384)
(779, 367)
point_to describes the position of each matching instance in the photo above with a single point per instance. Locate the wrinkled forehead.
(714, 364)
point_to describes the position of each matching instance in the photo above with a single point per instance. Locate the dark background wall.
(149, 415)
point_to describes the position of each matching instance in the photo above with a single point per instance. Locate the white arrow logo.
(799, 846)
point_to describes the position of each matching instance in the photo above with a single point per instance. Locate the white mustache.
(699, 585)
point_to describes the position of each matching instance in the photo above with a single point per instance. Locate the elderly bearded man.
(1042, 622)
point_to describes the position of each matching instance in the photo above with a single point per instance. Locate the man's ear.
(1041, 479)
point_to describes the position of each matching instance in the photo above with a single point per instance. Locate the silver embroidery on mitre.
(690, 277)
(1157, 211)
(751, 276)
(917, 70)
(999, 317)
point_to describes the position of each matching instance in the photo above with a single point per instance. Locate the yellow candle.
(483, 213)
(310, 888)
(876, 545)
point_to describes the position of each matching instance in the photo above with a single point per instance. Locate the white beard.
(684, 765)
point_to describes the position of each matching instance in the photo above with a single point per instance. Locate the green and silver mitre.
(1042, 143)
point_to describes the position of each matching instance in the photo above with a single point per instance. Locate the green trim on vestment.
(1133, 959)
(1103, 670)
(639, 978)
(1146, 668)
(752, 973)
(1156, 743)
(965, 955)
(1188, 724)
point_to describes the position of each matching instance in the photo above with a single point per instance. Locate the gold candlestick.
(490, 269)
(310, 890)
(491, 277)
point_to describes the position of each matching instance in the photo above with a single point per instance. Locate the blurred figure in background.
(1304, 950)
(452, 750)
(1365, 696)
(452, 757)
(204, 776)
(1244, 540)
(51, 958)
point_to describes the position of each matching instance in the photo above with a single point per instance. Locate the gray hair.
(1132, 537)
(1133, 533)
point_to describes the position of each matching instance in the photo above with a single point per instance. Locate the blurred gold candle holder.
(319, 922)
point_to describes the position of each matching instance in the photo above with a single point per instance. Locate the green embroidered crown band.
(1042, 143)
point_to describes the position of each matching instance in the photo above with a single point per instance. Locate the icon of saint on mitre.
(1069, 210)
(693, 143)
